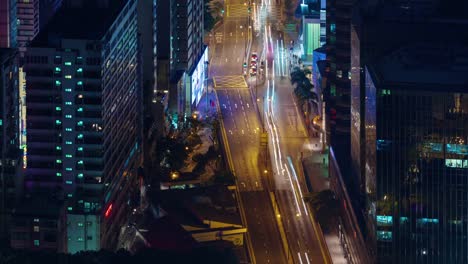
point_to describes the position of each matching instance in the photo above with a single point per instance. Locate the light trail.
(297, 183)
(307, 258)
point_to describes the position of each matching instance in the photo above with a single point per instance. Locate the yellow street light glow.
(278, 215)
(265, 171)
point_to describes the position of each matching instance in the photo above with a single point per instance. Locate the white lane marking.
(307, 258)
(300, 259)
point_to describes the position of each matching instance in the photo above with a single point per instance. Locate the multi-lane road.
(287, 135)
(242, 128)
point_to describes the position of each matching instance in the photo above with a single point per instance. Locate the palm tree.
(304, 90)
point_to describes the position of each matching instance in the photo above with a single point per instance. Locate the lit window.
(57, 69)
(68, 182)
(36, 228)
(80, 239)
(69, 208)
(80, 109)
(58, 148)
(58, 122)
(68, 116)
(68, 103)
(58, 174)
(80, 162)
(80, 136)
(58, 108)
(68, 63)
(58, 83)
(68, 90)
(69, 169)
(68, 142)
(80, 224)
(36, 242)
(58, 161)
(68, 129)
(36, 220)
(69, 156)
(79, 83)
(69, 195)
(80, 175)
(80, 70)
(68, 76)
(80, 96)
(80, 148)
(80, 123)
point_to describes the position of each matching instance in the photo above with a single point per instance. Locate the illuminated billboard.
(22, 116)
(197, 79)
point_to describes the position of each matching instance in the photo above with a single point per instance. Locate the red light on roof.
(108, 211)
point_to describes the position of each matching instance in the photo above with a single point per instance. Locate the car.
(253, 64)
(253, 71)
(254, 56)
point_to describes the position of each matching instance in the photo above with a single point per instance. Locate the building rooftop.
(196, 205)
(89, 20)
(428, 64)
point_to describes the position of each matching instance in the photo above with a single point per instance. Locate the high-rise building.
(337, 97)
(9, 136)
(8, 23)
(187, 34)
(410, 130)
(31, 17)
(181, 53)
(83, 112)
(416, 148)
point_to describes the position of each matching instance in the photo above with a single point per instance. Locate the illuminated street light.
(265, 171)
(174, 175)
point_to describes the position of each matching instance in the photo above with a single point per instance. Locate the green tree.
(303, 88)
(325, 208)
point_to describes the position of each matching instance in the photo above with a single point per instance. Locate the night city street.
(233, 131)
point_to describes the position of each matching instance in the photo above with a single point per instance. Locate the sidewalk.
(315, 164)
(207, 106)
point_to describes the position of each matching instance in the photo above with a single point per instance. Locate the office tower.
(416, 154)
(32, 16)
(410, 97)
(313, 27)
(182, 55)
(337, 97)
(187, 33)
(9, 136)
(8, 23)
(83, 117)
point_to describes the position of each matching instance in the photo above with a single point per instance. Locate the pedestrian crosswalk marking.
(237, 10)
(230, 81)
